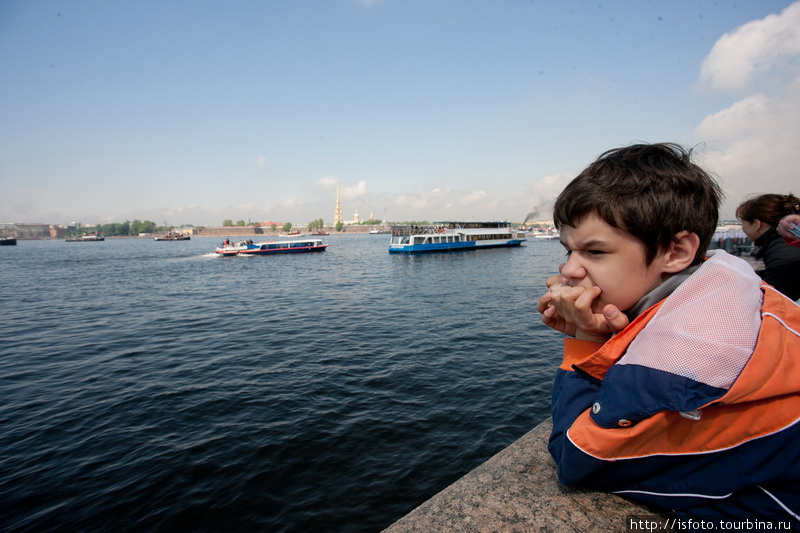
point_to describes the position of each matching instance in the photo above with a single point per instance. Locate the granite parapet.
(517, 490)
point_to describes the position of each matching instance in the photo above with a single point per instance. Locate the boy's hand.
(550, 315)
(569, 310)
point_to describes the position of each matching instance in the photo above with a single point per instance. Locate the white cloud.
(327, 182)
(346, 191)
(352, 192)
(736, 120)
(767, 47)
(754, 140)
(421, 204)
(291, 203)
(758, 139)
(261, 161)
(551, 186)
(473, 198)
(447, 203)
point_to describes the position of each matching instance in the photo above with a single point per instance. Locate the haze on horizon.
(196, 113)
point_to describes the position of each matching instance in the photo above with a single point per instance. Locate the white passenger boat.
(546, 236)
(91, 237)
(454, 236)
(173, 236)
(244, 248)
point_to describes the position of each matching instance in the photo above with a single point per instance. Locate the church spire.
(337, 213)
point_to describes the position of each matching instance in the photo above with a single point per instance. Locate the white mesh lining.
(707, 328)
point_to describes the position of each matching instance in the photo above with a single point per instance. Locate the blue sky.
(196, 112)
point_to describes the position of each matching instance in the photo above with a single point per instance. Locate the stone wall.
(517, 491)
(241, 231)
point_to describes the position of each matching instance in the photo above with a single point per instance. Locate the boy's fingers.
(553, 280)
(615, 318)
(584, 301)
(543, 303)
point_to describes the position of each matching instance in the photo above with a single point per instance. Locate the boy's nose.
(572, 270)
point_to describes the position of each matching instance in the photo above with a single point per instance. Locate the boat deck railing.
(439, 227)
(405, 231)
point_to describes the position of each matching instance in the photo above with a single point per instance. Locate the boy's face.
(601, 255)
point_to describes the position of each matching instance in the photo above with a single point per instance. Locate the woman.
(760, 217)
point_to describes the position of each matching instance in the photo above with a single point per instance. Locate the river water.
(154, 386)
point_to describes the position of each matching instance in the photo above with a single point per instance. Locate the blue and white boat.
(454, 236)
(246, 248)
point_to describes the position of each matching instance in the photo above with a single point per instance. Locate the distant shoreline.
(201, 235)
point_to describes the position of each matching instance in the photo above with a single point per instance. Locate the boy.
(679, 386)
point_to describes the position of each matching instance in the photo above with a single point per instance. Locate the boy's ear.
(681, 251)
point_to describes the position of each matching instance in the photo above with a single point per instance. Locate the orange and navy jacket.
(695, 405)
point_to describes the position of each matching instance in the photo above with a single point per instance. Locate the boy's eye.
(596, 252)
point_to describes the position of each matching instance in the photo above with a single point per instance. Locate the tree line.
(124, 229)
(133, 228)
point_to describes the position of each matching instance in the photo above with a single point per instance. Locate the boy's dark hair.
(769, 208)
(652, 191)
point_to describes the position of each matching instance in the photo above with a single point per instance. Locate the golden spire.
(337, 213)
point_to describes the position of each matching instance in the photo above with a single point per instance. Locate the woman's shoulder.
(778, 249)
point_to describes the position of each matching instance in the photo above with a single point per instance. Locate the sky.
(190, 113)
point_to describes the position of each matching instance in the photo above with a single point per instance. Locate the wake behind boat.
(454, 236)
(246, 248)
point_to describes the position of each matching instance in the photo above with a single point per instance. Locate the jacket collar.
(767, 237)
(659, 293)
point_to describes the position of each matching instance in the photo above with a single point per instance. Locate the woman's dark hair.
(652, 191)
(768, 208)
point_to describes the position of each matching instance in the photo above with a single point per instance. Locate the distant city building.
(33, 231)
(8, 229)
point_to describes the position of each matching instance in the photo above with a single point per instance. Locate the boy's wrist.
(582, 335)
